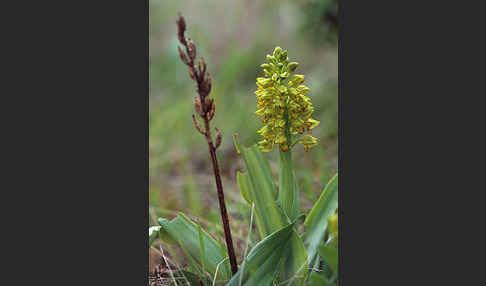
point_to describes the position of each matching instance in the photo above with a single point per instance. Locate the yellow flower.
(283, 105)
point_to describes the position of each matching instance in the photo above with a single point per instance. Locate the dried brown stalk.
(205, 108)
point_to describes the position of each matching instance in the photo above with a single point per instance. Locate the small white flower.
(152, 229)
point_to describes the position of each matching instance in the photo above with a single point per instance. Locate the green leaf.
(330, 255)
(316, 222)
(294, 267)
(288, 194)
(244, 184)
(259, 169)
(316, 279)
(257, 186)
(185, 234)
(201, 246)
(268, 215)
(262, 263)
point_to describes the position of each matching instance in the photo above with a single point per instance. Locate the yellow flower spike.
(284, 108)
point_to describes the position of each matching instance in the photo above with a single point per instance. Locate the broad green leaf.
(268, 215)
(330, 255)
(316, 279)
(259, 169)
(288, 193)
(201, 246)
(185, 234)
(316, 222)
(248, 193)
(262, 263)
(257, 186)
(244, 184)
(294, 267)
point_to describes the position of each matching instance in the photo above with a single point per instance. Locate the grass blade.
(316, 222)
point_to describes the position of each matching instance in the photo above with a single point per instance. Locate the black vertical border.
(340, 136)
(77, 159)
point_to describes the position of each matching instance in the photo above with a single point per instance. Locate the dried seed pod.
(218, 138)
(181, 28)
(213, 106)
(212, 110)
(191, 49)
(207, 103)
(207, 83)
(204, 65)
(197, 125)
(198, 106)
(210, 115)
(199, 67)
(183, 56)
(192, 73)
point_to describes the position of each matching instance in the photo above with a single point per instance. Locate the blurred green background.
(234, 37)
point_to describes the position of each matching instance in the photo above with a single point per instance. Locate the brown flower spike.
(205, 108)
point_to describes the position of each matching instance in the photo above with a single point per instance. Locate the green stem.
(288, 193)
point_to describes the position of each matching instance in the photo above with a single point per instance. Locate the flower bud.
(293, 66)
(296, 80)
(264, 82)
